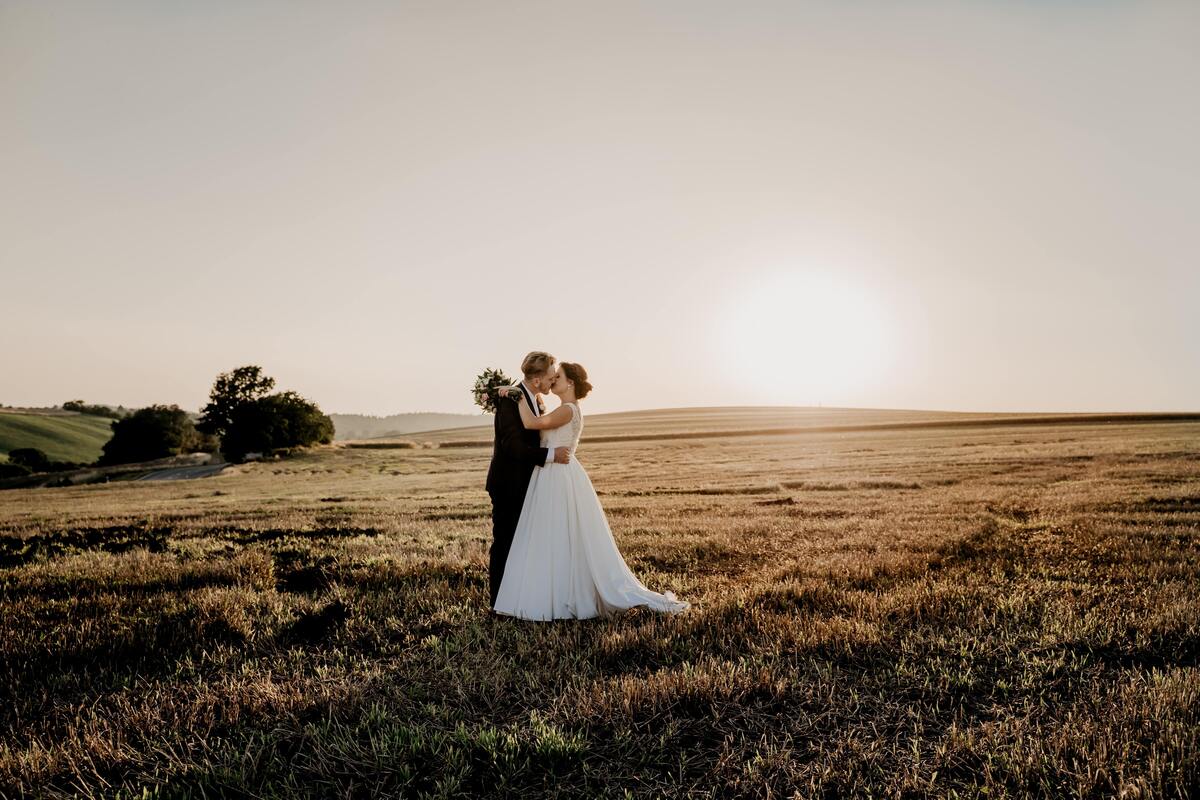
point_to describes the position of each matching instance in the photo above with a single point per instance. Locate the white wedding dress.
(564, 562)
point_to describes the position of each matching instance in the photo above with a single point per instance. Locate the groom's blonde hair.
(536, 363)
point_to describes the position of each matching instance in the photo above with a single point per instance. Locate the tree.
(230, 391)
(30, 457)
(149, 433)
(275, 422)
(299, 422)
(247, 419)
(96, 410)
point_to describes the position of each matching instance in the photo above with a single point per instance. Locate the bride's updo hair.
(577, 375)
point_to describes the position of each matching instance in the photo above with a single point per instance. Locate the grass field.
(971, 612)
(668, 421)
(706, 423)
(63, 437)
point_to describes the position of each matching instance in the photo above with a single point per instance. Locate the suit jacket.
(515, 452)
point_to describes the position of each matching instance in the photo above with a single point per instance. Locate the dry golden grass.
(973, 612)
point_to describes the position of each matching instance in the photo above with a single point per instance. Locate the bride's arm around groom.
(547, 422)
(509, 429)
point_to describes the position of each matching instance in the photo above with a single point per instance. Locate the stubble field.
(972, 612)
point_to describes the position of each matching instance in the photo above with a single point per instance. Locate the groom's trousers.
(506, 513)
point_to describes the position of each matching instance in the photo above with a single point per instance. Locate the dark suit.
(514, 455)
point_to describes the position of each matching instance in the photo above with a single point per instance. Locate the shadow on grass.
(16, 551)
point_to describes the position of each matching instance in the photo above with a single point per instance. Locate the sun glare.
(806, 338)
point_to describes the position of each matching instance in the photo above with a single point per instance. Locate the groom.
(514, 455)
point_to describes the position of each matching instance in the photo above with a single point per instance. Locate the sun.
(804, 338)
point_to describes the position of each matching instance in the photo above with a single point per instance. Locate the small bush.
(30, 457)
(10, 470)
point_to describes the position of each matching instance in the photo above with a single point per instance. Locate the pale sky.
(961, 205)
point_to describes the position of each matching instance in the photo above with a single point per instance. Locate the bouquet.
(485, 388)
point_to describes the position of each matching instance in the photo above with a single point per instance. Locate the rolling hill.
(363, 426)
(719, 422)
(62, 436)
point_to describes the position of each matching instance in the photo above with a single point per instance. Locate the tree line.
(243, 417)
(95, 410)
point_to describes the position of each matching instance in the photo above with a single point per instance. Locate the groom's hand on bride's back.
(562, 455)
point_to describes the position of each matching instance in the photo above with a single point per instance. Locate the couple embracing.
(553, 555)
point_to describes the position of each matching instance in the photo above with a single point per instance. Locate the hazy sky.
(966, 205)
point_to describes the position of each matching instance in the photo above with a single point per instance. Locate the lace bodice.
(567, 435)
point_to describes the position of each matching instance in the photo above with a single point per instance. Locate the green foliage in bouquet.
(485, 389)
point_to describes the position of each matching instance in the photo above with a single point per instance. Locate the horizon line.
(481, 414)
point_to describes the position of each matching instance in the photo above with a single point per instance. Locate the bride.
(564, 562)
